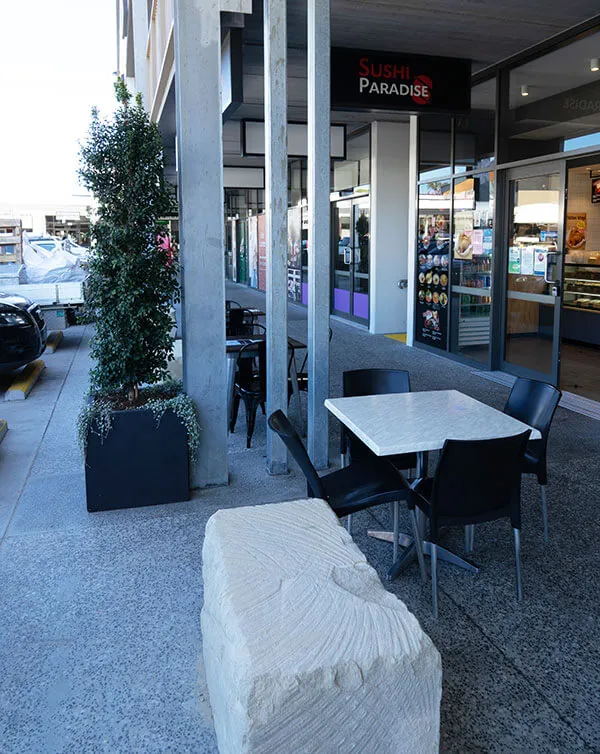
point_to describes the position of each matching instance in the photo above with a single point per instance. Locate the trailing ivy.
(96, 413)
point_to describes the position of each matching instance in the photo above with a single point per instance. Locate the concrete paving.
(100, 613)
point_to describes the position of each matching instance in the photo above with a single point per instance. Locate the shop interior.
(580, 332)
(531, 323)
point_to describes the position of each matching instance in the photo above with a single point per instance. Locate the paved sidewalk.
(99, 614)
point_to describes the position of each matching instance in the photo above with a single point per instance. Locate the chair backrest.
(251, 359)
(534, 403)
(229, 305)
(238, 324)
(358, 382)
(375, 382)
(280, 424)
(479, 480)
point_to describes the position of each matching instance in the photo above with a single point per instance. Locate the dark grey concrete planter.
(138, 463)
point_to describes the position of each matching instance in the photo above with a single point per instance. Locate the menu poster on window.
(253, 251)
(539, 262)
(294, 253)
(262, 253)
(432, 292)
(527, 261)
(477, 242)
(463, 248)
(488, 240)
(514, 261)
(576, 230)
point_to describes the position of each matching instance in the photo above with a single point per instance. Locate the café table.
(420, 423)
(234, 346)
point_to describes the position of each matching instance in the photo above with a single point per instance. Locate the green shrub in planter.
(132, 281)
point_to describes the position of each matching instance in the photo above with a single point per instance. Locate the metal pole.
(318, 228)
(200, 164)
(276, 203)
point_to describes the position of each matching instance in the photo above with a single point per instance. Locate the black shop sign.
(367, 80)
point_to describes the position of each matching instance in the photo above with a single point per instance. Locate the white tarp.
(50, 263)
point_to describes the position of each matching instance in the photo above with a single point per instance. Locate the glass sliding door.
(534, 270)
(351, 258)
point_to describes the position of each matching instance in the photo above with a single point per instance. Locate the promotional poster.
(433, 261)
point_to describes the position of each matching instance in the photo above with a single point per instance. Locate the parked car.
(23, 332)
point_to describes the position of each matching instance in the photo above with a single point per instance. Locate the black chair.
(229, 305)
(360, 382)
(250, 386)
(240, 323)
(475, 481)
(534, 403)
(363, 484)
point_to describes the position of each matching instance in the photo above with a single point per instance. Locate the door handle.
(547, 265)
(348, 255)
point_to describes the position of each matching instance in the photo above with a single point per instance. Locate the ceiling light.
(595, 65)
(524, 90)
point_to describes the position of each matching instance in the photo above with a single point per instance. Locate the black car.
(23, 331)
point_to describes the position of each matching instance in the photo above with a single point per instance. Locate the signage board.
(369, 80)
(596, 191)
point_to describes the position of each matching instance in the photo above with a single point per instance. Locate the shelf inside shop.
(581, 294)
(582, 308)
(471, 291)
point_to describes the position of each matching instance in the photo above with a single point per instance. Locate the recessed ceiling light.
(524, 90)
(595, 65)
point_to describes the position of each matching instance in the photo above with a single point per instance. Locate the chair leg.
(262, 406)
(235, 407)
(434, 589)
(396, 519)
(349, 523)
(418, 546)
(251, 409)
(544, 512)
(517, 534)
(469, 538)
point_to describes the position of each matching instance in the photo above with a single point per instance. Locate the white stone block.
(304, 649)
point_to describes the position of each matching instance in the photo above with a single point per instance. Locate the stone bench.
(304, 649)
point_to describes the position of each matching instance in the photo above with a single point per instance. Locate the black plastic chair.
(360, 382)
(475, 481)
(534, 403)
(362, 484)
(250, 386)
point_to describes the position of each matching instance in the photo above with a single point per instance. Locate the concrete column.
(200, 163)
(319, 217)
(276, 202)
(389, 226)
(413, 213)
(140, 43)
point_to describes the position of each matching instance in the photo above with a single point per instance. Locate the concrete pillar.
(276, 201)
(319, 214)
(413, 216)
(389, 226)
(200, 163)
(140, 43)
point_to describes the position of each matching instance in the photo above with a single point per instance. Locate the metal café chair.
(534, 403)
(475, 481)
(362, 484)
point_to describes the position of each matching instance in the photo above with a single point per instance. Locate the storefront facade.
(508, 220)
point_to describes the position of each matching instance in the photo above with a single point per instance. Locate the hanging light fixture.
(524, 90)
(595, 65)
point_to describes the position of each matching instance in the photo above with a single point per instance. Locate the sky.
(57, 61)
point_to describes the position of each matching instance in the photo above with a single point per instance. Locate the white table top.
(418, 422)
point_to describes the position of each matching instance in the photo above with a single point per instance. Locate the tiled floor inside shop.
(99, 614)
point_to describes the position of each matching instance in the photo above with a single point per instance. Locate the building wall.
(389, 226)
